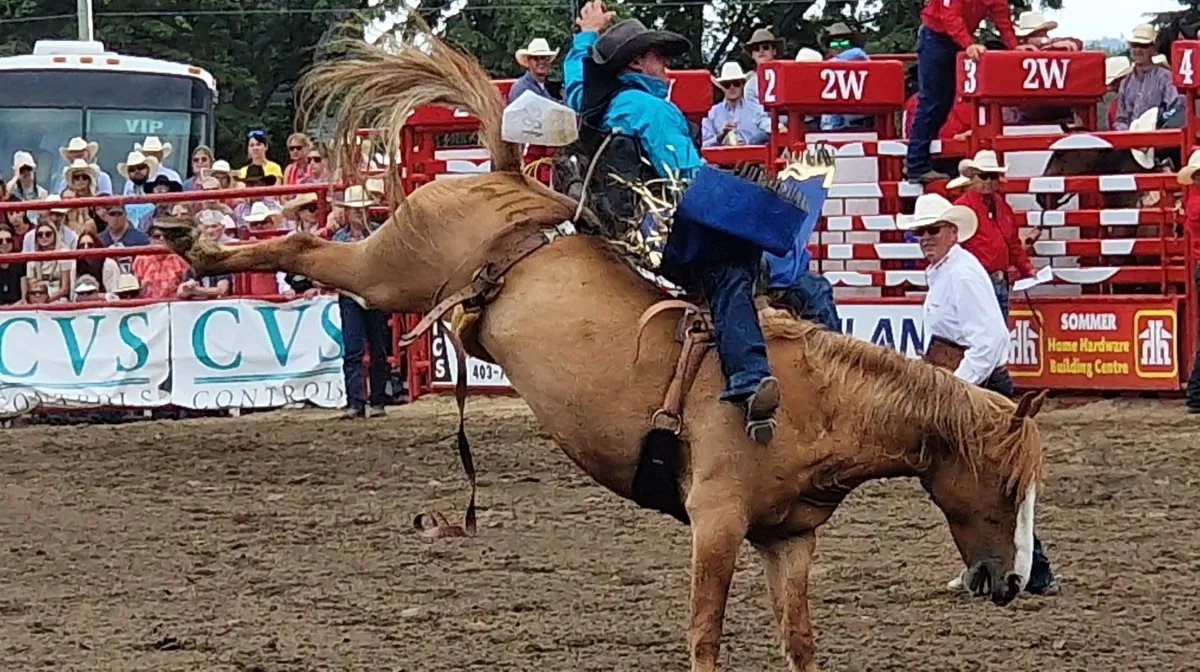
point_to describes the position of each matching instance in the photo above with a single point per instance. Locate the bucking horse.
(573, 327)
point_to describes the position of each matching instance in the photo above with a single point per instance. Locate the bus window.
(118, 130)
(39, 131)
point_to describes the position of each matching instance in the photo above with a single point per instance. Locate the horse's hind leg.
(718, 528)
(788, 562)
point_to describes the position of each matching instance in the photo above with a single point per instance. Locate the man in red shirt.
(947, 27)
(1191, 205)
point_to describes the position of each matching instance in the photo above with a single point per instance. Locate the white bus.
(69, 88)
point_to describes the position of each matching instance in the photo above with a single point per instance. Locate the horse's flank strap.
(695, 333)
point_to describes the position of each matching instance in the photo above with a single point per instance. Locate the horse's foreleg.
(787, 563)
(717, 532)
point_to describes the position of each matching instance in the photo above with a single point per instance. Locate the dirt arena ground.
(282, 541)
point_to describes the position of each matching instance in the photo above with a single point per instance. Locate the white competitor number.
(769, 93)
(1187, 71)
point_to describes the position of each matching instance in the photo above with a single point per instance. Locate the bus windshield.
(41, 111)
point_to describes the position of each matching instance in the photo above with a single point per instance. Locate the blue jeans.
(728, 285)
(1000, 380)
(364, 328)
(936, 86)
(1193, 388)
(811, 298)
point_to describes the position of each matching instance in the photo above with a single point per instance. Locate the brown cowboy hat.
(630, 38)
(763, 36)
(839, 29)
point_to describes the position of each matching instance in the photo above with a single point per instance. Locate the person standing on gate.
(947, 27)
(961, 317)
(1187, 177)
(1147, 86)
(361, 326)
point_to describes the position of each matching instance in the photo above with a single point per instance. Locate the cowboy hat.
(628, 39)
(356, 197)
(86, 283)
(807, 55)
(958, 183)
(1144, 34)
(136, 158)
(293, 206)
(164, 180)
(763, 36)
(127, 282)
(934, 208)
(730, 72)
(1033, 22)
(839, 29)
(55, 198)
(1116, 67)
(259, 212)
(219, 167)
(537, 47)
(81, 166)
(1148, 121)
(984, 161)
(79, 145)
(23, 160)
(256, 176)
(153, 145)
(1187, 174)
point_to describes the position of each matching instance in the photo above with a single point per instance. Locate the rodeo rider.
(616, 78)
(963, 325)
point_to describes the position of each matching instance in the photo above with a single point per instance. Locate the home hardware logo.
(1026, 344)
(1154, 331)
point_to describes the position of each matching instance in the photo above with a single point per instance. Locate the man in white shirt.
(961, 309)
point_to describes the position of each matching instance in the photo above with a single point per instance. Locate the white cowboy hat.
(259, 212)
(356, 197)
(1143, 34)
(1147, 122)
(55, 198)
(807, 55)
(958, 183)
(934, 208)
(984, 161)
(79, 145)
(81, 166)
(219, 167)
(136, 158)
(1031, 22)
(537, 47)
(1186, 174)
(730, 72)
(153, 144)
(1116, 67)
(23, 160)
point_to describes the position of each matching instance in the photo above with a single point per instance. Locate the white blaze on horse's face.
(1023, 538)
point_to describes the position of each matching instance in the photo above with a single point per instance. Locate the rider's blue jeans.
(728, 284)
(811, 298)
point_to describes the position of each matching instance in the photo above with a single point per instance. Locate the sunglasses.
(989, 176)
(309, 208)
(81, 178)
(296, 148)
(733, 85)
(45, 234)
(931, 230)
(316, 159)
(762, 47)
(37, 292)
(841, 43)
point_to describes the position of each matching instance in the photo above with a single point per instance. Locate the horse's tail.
(377, 87)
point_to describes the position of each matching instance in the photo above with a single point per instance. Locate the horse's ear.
(1023, 405)
(1035, 404)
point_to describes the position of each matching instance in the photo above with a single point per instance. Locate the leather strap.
(696, 342)
(653, 311)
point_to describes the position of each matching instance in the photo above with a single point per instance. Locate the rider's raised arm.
(581, 46)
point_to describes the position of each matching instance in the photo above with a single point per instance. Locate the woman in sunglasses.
(298, 147)
(10, 273)
(56, 273)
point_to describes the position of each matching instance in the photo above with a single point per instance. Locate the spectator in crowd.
(128, 287)
(79, 149)
(318, 165)
(298, 145)
(535, 60)
(212, 209)
(87, 290)
(222, 173)
(99, 215)
(19, 221)
(158, 150)
(159, 274)
(24, 182)
(362, 326)
(12, 272)
(36, 292)
(1147, 86)
(261, 223)
(255, 177)
(79, 220)
(301, 213)
(202, 160)
(121, 233)
(159, 185)
(946, 28)
(55, 273)
(843, 44)
(104, 271)
(56, 217)
(1115, 70)
(256, 148)
(762, 46)
(732, 121)
(137, 171)
(210, 286)
(1191, 203)
(1033, 32)
(81, 178)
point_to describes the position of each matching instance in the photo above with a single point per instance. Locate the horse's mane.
(893, 390)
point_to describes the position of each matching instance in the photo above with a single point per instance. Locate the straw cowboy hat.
(538, 46)
(730, 72)
(356, 196)
(136, 158)
(1116, 67)
(1147, 122)
(839, 29)
(1033, 22)
(934, 208)
(55, 198)
(293, 206)
(127, 282)
(79, 145)
(220, 167)
(1144, 34)
(807, 55)
(260, 212)
(763, 36)
(23, 160)
(958, 183)
(628, 39)
(1187, 174)
(81, 166)
(153, 145)
(984, 161)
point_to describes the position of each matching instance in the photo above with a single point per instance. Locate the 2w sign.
(1042, 74)
(843, 84)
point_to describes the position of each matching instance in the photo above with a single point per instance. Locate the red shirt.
(959, 19)
(997, 244)
(1191, 209)
(959, 120)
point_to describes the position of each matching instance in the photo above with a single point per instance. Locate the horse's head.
(987, 494)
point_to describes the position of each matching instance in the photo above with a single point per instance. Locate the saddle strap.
(697, 339)
(433, 524)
